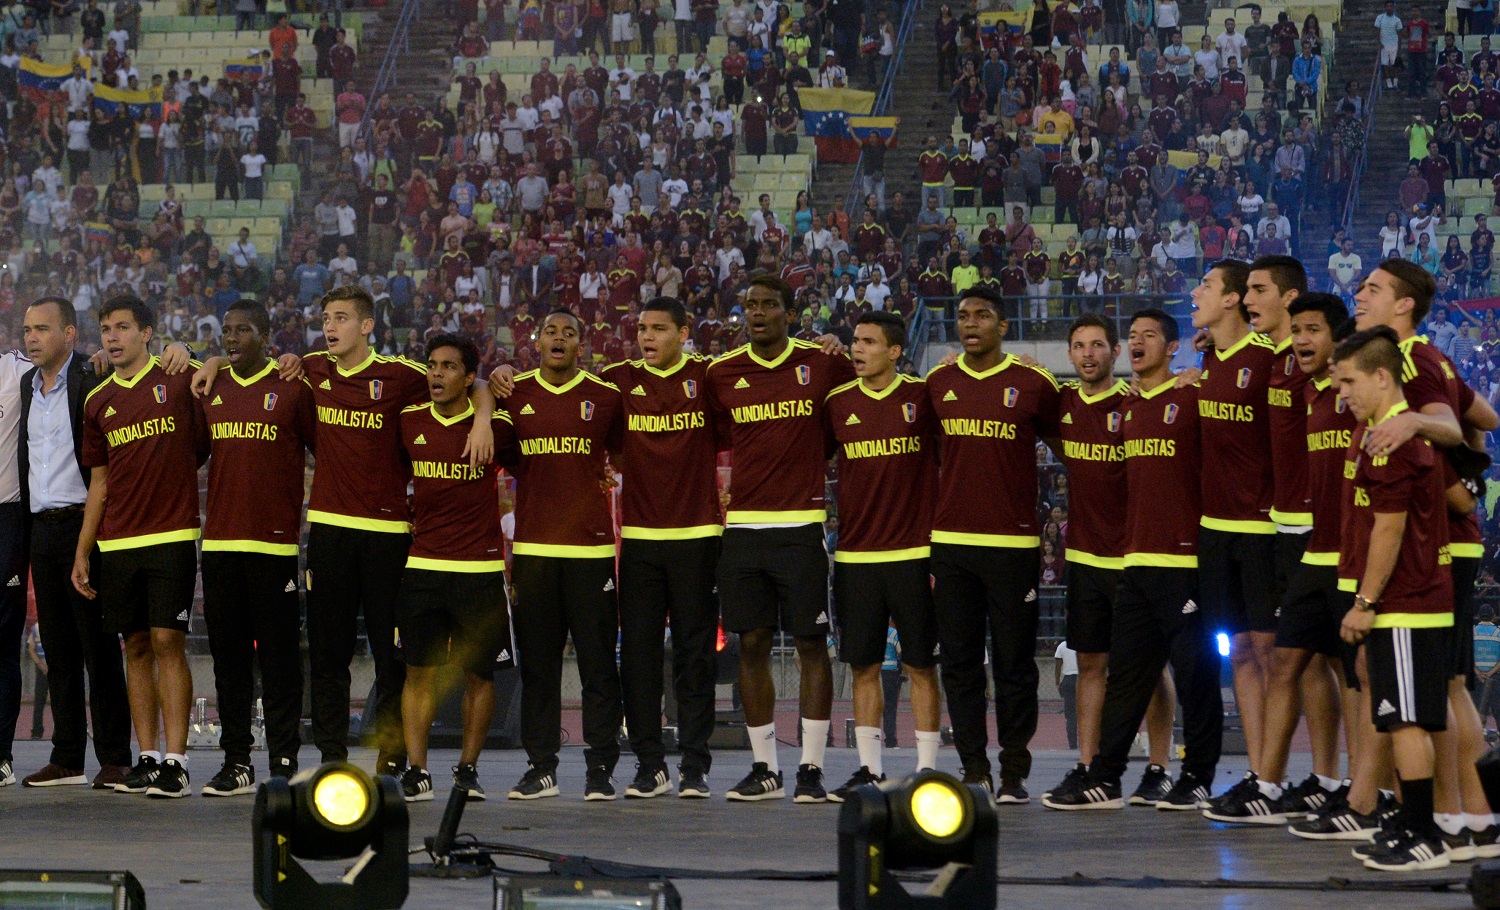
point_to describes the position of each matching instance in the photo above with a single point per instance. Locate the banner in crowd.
(825, 117)
(882, 127)
(246, 70)
(97, 231)
(1186, 160)
(1013, 22)
(1479, 303)
(144, 104)
(39, 79)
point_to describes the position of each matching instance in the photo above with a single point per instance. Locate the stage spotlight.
(546, 892)
(926, 822)
(26, 889)
(330, 813)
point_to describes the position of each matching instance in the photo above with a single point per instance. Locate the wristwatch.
(1363, 604)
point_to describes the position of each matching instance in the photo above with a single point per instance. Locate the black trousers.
(1157, 619)
(994, 588)
(555, 597)
(352, 571)
(12, 619)
(662, 580)
(72, 629)
(251, 606)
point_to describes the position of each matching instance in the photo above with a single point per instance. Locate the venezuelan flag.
(98, 230)
(144, 104)
(1051, 145)
(1000, 28)
(883, 127)
(40, 79)
(247, 70)
(825, 117)
(1185, 160)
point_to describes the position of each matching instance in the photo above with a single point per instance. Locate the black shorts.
(1235, 576)
(1091, 607)
(149, 587)
(1465, 570)
(1312, 612)
(1408, 677)
(1288, 558)
(869, 596)
(461, 618)
(774, 578)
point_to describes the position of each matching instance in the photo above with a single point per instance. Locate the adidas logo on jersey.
(217, 400)
(325, 385)
(1030, 596)
(1190, 607)
(421, 440)
(822, 617)
(852, 421)
(1385, 708)
(638, 390)
(290, 587)
(950, 396)
(742, 384)
(609, 585)
(1067, 418)
(109, 411)
(15, 582)
(528, 410)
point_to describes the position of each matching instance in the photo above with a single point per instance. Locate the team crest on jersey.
(690, 388)
(1290, 363)
(160, 392)
(909, 411)
(1242, 378)
(376, 386)
(1339, 405)
(270, 402)
(804, 374)
(586, 410)
(1170, 415)
(1113, 421)
(1012, 395)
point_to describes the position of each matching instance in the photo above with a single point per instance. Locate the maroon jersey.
(1093, 448)
(1330, 429)
(670, 489)
(1236, 430)
(455, 507)
(562, 435)
(1428, 377)
(360, 479)
(887, 446)
(1163, 452)
(775, 414)
(148, 430)
(990, 422)
(1288, 421)
(1409, 481)
(258, 428)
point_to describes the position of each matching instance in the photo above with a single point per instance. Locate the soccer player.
(259, 427)
(773, 569)
(564, 423)
(1237, 543)
(671, 527)
(886, 437)
(986, 541)
(1403, 610)
(1156, 612)
(143, 442)
(453, 606)
(1090, 428)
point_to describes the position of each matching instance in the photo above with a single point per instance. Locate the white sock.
(814, 741)
(1450, 823)
(1478, 822)
(180, 759)
(153, 755)
(763, 745)
(927, 748)
(1268, 789)
(868, 740)
(1328, 783)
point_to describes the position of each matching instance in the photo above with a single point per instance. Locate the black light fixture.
(23, 889)
(330, 813)
(550, 892)
(926, 822)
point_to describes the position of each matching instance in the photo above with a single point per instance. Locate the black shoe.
(140, 777)
(809, 785)
(1241, 790)
(1012, 793)
(466, 778)
(1077, 775)
(1306, 798)
(416, 785)
(233, 779)
(598, 785)
(390, 765)
(982, 778)
(1411, 853)
(860, 778)
(284, 767)
(1185, 796)
(1486, 842)
(1247, 806)
(1155, 784)
(171, 782)
(535, 784)
(1084, 794)
(692, 784)
(1460, 846)
(649, 783)
(8, 773)
(761, 783)
(1338, 823)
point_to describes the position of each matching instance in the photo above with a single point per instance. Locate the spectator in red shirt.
(341, 59)
(1067, 183)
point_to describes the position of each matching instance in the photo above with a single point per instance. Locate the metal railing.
(1362, 157)
(883, 99)
(385, 77)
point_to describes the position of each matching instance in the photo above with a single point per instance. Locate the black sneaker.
(1185, 796)
(284, 767)
(466, 778)
(1155, 784)
(761, 783)
(809, 785)
(1084, 794)
(232, 780)
(1411, 853)
(692, 784)
(1242, 789)
(860, 778)
(1460, 846)
(390, 765)
(416, 785)
(1012, 793)
(982, 778)
(1340, 823)
(598, 785)
(1077, 775)
(140, 777)
(8, 773)
(1247, 806)
(171, 782)
(535, 784)
(1486, 842)
(649, 783)
(1307, 798)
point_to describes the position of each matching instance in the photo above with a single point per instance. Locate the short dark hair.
(255, 312)
(1377, 348)
(145, 318)
(563, 311)
(364, 304)
(467, 351)
(1095, 321)
(1286, 271)
(669, 305)
(890, 324)
(1331, 306)
(1412, 281)
(988, 295)
(774, 283)
(65, 312)
(1168, 325)
(1236, 277)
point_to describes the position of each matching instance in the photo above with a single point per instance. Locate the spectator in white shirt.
(1230, 43)
(343, 267)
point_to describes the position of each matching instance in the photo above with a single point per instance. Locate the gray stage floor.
(195, 853)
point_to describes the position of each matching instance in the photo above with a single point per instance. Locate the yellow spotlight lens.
(937, 809)
(341, 798)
